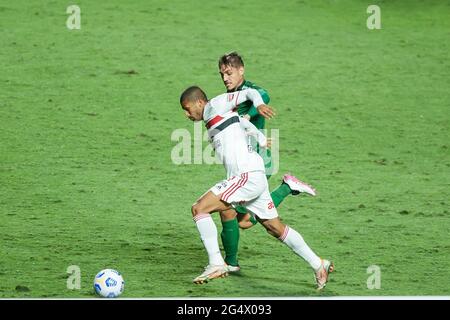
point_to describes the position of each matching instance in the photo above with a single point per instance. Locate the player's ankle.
(233, 263)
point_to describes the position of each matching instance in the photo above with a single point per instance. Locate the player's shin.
(230, 241)
(295, 241)
(208, 233)
(280, 193)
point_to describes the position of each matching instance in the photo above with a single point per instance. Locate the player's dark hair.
(231, 59)
(192, 94)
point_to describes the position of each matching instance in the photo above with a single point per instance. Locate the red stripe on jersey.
(235, 108)
(213, 121)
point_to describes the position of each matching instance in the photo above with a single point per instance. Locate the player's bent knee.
(226, 215)
(245, 225)
(196, 209)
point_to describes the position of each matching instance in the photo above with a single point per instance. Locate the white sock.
(208, 233)
(295, 241)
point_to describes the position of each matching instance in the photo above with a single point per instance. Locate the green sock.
(253, 219)
(240, 209)
(243, 210)
(280, 193)
(230, 241)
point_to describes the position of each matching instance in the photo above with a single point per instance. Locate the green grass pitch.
(86, 176)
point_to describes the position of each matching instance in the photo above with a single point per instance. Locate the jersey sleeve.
(253, 131)
(265, 96)
(229, 101)
(249, 94)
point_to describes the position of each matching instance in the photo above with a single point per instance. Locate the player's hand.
(268, 144)
(266, 111)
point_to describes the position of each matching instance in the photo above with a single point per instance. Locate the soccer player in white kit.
(246, 182)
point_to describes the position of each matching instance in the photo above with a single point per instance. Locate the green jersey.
(258, 120)
(247, 107)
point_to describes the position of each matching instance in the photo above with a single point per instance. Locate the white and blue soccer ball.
(109, 283)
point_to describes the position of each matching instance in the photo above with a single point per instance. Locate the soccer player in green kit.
(231, 68)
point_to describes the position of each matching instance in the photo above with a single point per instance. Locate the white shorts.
(249, 190)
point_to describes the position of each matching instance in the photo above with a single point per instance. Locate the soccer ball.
(109, 283)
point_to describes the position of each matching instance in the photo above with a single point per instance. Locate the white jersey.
(228, 136)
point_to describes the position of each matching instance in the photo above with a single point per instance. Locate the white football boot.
(212, 272)
(298, 186)
(323, 273)
(231, 268)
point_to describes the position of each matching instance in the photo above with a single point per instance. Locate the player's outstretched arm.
(266, 111)
(252, 111)
(229, 101)
(254, 95)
